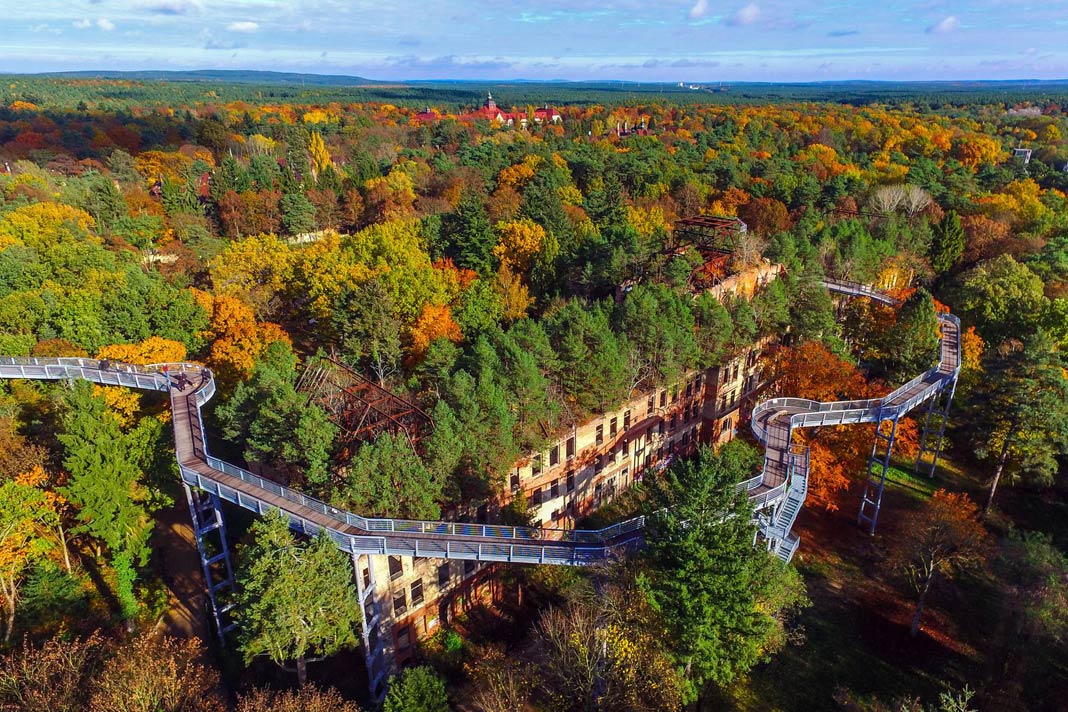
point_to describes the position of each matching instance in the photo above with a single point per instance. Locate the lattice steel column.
(934, 427)
(373, 648)
(206, 511)
(878, 464)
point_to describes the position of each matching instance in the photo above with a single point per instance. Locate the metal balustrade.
(459, 540)
(774, 422)
(484, 542)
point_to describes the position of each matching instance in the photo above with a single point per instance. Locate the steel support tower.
(209, 530)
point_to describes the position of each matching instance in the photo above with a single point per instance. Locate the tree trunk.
(915, 629)
(66, 549)
(302, 670)
(10, 593)
(1002, 458)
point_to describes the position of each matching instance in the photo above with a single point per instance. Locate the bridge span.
(784, 476)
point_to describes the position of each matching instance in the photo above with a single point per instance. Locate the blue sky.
(646, 40)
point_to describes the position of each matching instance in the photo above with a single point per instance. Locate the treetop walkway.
(777, 492)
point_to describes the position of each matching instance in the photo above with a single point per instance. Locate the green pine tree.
(720, 598)
(295, 602)
(417, 689)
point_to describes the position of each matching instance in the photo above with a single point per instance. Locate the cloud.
(212, 43)
(448, 65)
(173, 7)
(842, 33)
(945, 26)
(699, 9)
(677, 63)
(243, 26)
(82, 24)
(105, 24)
(746, 15)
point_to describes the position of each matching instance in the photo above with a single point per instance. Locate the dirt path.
(179, 567)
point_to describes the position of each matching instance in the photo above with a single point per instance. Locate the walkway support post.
(934, 428)
(878, 466)
(209, 530)
(373, 648)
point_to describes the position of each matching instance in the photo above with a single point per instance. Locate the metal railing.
(770, 429)
(368, 535)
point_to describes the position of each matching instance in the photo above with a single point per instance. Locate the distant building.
(491, 112)
(628, 129)
(427, 116)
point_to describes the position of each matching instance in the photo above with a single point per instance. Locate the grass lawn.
(856, 643)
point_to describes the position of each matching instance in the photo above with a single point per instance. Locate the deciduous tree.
(936, 541)
(154, 673)
(305, 699)
(1018, 414)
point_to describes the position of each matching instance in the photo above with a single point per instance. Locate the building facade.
(583, 469)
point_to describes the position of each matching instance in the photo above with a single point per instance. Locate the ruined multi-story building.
(584, 468)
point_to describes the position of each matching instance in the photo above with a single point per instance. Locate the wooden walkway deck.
(773, 423)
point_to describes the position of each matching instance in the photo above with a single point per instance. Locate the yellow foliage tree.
(43, 226)
(123, 402)
(161, 164)
(646, 220)
(521, 173)
(391, 197)
(325, 269)
(975, 150)
(320, 155)
(237, 338)
(518, 241)
(395, 252)
(154, 349)
(569, 195)
(255, 270)
(515, 297)
(260, 144)
(26, 514)
(1020, 201)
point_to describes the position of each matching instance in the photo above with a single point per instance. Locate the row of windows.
(692, 387)
(689, 413)
(396, 570)
(400, 598)
(413, 594)
(731, 373)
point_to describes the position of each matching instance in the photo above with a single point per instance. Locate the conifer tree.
(294, 601)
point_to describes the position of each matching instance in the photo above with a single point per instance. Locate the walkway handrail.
(774, 420)
(462, 539)
(156, 377)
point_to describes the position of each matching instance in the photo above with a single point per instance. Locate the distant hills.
(228, 76)
(249, 76)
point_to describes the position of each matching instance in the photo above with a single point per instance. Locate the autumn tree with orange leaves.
(935, 542)
(837, 452)
(29, 518)
(237, 338)
(433, 322)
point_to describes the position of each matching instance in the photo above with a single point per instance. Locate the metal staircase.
(777, 493)
(780, 539)
(774, 421)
